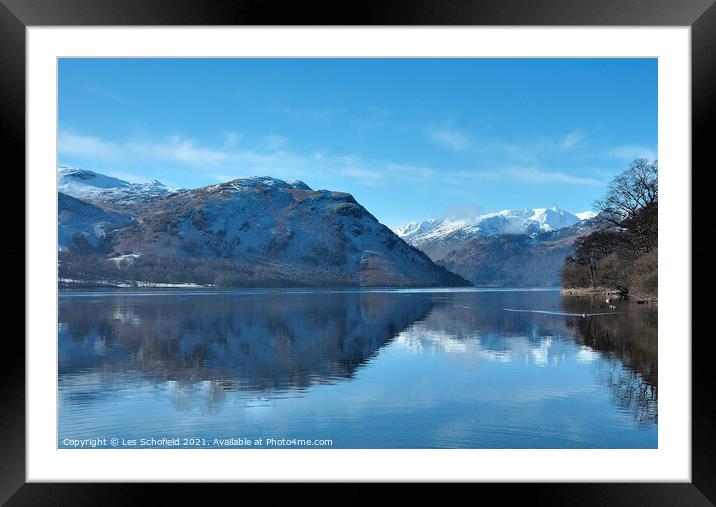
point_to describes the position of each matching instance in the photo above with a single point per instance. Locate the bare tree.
(622, 252)
(591, 249)
(629, 192)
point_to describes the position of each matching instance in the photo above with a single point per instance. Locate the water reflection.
(439, 369)
(244, 342)
(629, 341)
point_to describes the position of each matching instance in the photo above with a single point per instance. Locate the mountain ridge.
(106, 190)
(253, 231)
(507, 260)
(529, 221)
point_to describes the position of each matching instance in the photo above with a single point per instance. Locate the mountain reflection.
(205, 346)
(477, 324)
(622, 346)
(249, 342)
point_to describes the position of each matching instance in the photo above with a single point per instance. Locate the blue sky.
(409, 138)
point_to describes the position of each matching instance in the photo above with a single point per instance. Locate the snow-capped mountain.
(516, 248)
(256, 231)
(586, 215)
(95, 187)
(523, 221)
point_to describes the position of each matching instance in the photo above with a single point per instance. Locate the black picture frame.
(700, 15)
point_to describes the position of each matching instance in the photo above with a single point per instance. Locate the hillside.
(257, 231)
(511, 248)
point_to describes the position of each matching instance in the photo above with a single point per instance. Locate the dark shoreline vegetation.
(621, 256)
(94, 271)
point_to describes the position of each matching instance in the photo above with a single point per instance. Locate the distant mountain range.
(257, 231)
(527, 221)
(510, 248)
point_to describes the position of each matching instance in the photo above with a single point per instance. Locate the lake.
(362, 368)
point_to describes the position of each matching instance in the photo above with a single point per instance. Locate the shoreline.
(607, 293)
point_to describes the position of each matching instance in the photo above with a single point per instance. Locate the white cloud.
(311, 113)
(571, 140)
(531, 150)
(176, 149)
(367, 177)
(632, 151)
(229, 160)
(532, 175)
(410, 173)
(468, 212)
(225, 161)
(451, 139)
(87, 146)
(273, 141)
(468, 176)
(232, 138)
(372, 117)
(106, 93)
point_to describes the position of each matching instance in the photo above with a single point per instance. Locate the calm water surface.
(362, 368)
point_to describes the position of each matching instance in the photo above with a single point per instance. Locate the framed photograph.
(418, 245)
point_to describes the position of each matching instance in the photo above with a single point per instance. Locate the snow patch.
(124, 260)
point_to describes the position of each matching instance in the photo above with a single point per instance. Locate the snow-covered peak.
(73, 176)
(521, 221)
(585, 215)
(155, 184)
(414, 228)
(550, 219)
(257, 182)
(92, 186)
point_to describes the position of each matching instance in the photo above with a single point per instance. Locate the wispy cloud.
(311, 113)
(106, 93)
(273, 141)
(466, 177)
(531, 150)
(410, 173)
(368, 177)
(632, 151)
(177, 149)
(231, 159)
(173, 150)
(372, 117)
(467, 212)
(571, 140)
(532, 175)
(450, 138)
(382, 172)
(522, 151)
(80, 145)
(232, 138)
